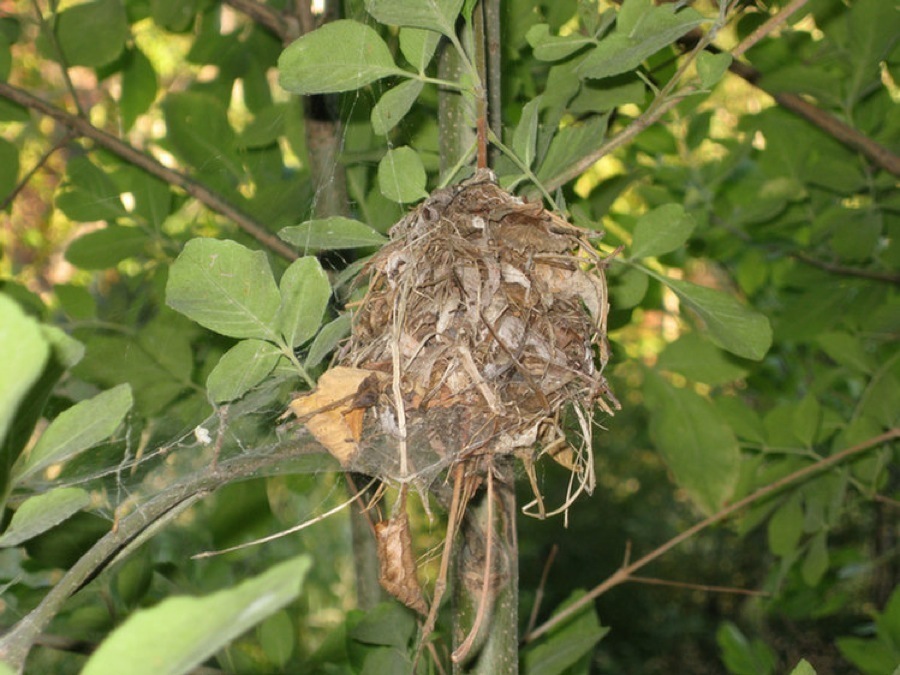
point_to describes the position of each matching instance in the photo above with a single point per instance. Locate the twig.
(50, 32)
(33, 170)
(767, 27)
(140, 159)
(649, 117)
(653, 581)
(887, 277)
(460, 653)
(297, 528)
(16, 643)
(539, 596)
(623, 574)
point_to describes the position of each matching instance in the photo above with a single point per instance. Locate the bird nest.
(484, 326)
(482, 336)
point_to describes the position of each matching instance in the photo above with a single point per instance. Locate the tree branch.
(623, 574)
(282, 24)
(130, 531)
(886, 277)
(134, 156)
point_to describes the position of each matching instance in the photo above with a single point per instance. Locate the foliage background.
(789, 218)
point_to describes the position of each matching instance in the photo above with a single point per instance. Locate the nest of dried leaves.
(484, 324)
(483, 329)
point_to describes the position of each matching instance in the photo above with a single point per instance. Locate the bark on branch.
(129, 153)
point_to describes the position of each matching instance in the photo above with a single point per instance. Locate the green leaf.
(88, 193)
(872, 657)
(786, 527)
(700, 449)
(327, 340)
(418, 46)
(332, 233)
(401, 175)
(698, 360)
(547, 47)
(847, 350)
(566, 644)
(25, 351)
(102, 249)
(815, 563)
(731, 325)
(628, 288)
(741, 656)
(387, 624)
(277, 637)
(92, 33)
(803, 668)
(662, 230)
(339, 56)
(152, 197)
(139, 87)
(807, 420)
(593, 98)
(9, 168)
(76, 301)
(305, 292)
(193, 629)
(525, 136)
(712, 67)
(201, 135)
(225, 287)
(42, 512)
(5, 58)
(77, 429)
(394, 104)
(439, 15)
(571, 144)
(646, 30)
(240, 369)
(265, 129)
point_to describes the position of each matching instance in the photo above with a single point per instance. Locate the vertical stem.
(495, 648)
(454, 108)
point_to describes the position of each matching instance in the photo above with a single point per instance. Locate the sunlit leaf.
(731, 325)
(193, 629)
(240, 369)
(711, 67)
(327, 339)
(642, 30)
(106, 248)
(525, 135)
(332, 233)
(438, 15)
(662, 230)
(418, 46)
(305, 292)
(24, 353)
(401, 176)
(92, 33)
(77, 429)
(40, 513)
(700, 449)
(393, 105)
(339, 56)
(225, 287)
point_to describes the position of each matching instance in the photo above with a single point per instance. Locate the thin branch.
(767, 27)
(137, 525)
(842, 132)
(50, 32)
(282, 25)
(653, 581)
(887, 277)
(140, 159)
(61, 143)
(539, 596)
(623, 574)
(652, 115)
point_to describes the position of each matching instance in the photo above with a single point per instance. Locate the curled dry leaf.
(397, 562)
